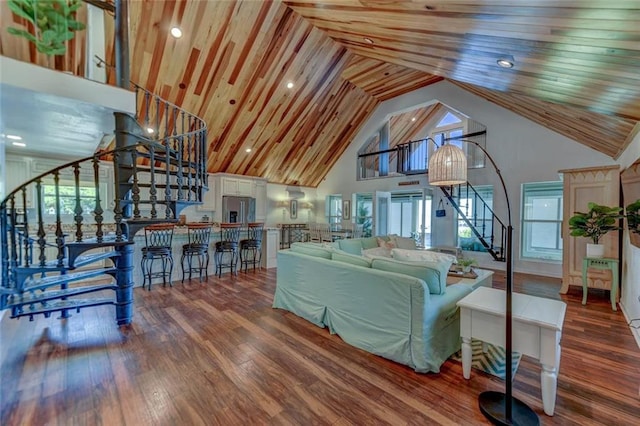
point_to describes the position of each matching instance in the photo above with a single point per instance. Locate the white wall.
(522, 149)
(630, 280)
(277, 213)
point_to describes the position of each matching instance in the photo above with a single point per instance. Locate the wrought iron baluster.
(98, 206)
(42, 241)
(135, 190)
(180, 178)
(189, 149)
(117, 208)
(152, 189)
(13, 249)
(25, 224)
(157, 123)
(78, 210)
(5, 246)
(167, 165)
(59, 233)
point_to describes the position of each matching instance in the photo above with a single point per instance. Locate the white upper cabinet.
(237, 186)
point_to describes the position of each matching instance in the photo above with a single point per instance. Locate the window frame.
(548, 189)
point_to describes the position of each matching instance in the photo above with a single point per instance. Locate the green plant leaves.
(633, 216)
(595, 223)
(54, 20)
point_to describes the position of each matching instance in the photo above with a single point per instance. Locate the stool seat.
(158, 240)
(198, 247)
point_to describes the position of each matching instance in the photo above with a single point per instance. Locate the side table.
(602, 263)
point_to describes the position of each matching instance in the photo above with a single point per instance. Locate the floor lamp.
(448, 167)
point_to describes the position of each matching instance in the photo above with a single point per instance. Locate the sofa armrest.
(442, 308)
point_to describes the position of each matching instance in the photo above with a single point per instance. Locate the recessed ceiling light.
(248, 150)
(150, 130)
(21, 144)
(290, 85)
(14, 137)
(368, 40)
(505, 63)
(413, 119)
(176, 32)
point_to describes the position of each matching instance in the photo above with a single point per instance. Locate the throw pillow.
(376, 253)
(420, 255)
(386, 244)
(404, 242)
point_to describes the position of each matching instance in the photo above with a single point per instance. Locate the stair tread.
(28, 297)
(82, 260)
(40, 283)
(61, 305)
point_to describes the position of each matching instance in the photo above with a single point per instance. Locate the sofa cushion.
(376, 252)
(369, 242)
(404, 242)
(311, 249)
(420, 255)
(353, 246)
(434, 274)
(343, 256)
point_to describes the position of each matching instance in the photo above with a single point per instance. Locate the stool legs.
(203, 263)
(147, 270)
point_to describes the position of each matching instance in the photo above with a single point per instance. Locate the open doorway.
(411, 216)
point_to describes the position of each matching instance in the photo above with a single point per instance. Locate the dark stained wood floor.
(217, 353)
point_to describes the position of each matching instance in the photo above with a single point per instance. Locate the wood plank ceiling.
(582, 55)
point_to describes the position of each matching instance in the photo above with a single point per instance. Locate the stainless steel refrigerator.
(238, 209)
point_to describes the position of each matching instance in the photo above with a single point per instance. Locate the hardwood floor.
(217, 353)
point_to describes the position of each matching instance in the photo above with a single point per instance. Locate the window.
(334, 209)
(541, 221)
(479, 216)
(68, 199)
(407, 213)
(364, 213)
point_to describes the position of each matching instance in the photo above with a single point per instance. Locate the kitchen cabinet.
(240, 186)
(270, 244)
(261, 201)
(237, 186)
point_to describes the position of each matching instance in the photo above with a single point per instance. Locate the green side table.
(601, 263)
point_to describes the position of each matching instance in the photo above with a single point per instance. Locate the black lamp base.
(493, 404)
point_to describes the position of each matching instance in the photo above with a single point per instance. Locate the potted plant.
(633, 216)
(594, 224)
(466, 264)
(53, 20)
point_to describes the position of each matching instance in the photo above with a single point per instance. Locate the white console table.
(537, 329)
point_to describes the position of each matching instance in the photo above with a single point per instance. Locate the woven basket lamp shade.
(448, 166)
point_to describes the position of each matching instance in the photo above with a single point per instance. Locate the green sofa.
(372, 304)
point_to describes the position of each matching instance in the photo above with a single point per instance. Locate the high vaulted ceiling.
(235, 59)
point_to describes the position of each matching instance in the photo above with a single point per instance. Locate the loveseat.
(403, 311)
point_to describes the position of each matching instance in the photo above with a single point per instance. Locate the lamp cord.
(630, 324)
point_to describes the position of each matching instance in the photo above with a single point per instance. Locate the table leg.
(584, 281)
(614, 286)
(549, 385)
(466, 357)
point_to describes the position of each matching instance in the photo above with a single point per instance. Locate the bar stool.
(251, 248)
(157, 240)
(198, 246)
(227, 247)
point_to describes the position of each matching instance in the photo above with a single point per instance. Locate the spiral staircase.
(53, 259)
